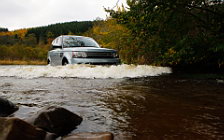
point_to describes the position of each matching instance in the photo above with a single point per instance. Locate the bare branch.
(116, 4)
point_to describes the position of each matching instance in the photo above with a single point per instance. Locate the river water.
(133, 102)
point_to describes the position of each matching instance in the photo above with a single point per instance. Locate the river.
(133, 102)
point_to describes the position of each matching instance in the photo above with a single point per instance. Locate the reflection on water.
(165, 107)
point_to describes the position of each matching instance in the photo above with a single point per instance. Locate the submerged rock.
(16, 129)
(55, 120)
(7, 107)
(219, 81)
(90, 136)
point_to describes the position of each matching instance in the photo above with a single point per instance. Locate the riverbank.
(22, 62)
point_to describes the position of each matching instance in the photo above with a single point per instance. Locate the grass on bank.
(22, 62)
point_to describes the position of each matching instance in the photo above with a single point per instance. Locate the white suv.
(67, 49)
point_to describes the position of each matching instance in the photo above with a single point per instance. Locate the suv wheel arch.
(65, 61)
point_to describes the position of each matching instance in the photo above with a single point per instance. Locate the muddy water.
(145, 106)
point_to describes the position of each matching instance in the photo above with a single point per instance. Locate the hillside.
(32, 44)
(43, 33)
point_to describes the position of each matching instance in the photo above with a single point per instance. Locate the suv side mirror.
(53, 47)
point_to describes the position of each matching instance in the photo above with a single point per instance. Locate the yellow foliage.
(110, 34)
(22, 62)
(21, 33)
(171, 51)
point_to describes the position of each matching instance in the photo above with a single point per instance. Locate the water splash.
(83, 71)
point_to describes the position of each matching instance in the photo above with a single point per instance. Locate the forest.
(33, 44)
(175, 33)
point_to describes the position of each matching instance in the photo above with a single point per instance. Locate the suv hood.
(88, 49)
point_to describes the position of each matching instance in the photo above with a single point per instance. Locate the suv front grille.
(99, 54)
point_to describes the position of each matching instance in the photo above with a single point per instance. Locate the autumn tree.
(177, 32)
(110, 34)
(34, 43)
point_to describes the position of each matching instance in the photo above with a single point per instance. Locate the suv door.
(55, 52)
(59, 52)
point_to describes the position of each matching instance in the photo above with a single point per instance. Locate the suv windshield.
(71, 41)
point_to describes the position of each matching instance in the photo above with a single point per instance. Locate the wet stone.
(7, 107)
(17, 129)
(55, 119)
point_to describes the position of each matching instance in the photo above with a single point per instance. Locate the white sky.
(17, 14)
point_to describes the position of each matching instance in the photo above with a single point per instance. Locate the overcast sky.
(17, 14)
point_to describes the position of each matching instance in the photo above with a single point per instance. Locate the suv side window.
(56, 44)
(59, 41)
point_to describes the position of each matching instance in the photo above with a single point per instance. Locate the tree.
(3, 29)
(176, 32)
(30, 40)
(109, 34)
(50, 37)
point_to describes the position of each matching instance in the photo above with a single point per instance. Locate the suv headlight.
(115, 55)
(79, 55)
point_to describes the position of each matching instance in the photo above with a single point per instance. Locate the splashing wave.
(83, 71)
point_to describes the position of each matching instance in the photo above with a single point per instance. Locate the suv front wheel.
(65, 62)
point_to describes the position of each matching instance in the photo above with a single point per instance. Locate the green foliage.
(22, 52)
(3, 29)
(42, 34)
(34, 43)
(176, 32)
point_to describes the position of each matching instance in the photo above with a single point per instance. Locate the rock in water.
(90, 136)
(55, 120)
(16, 129)
(7, 107)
